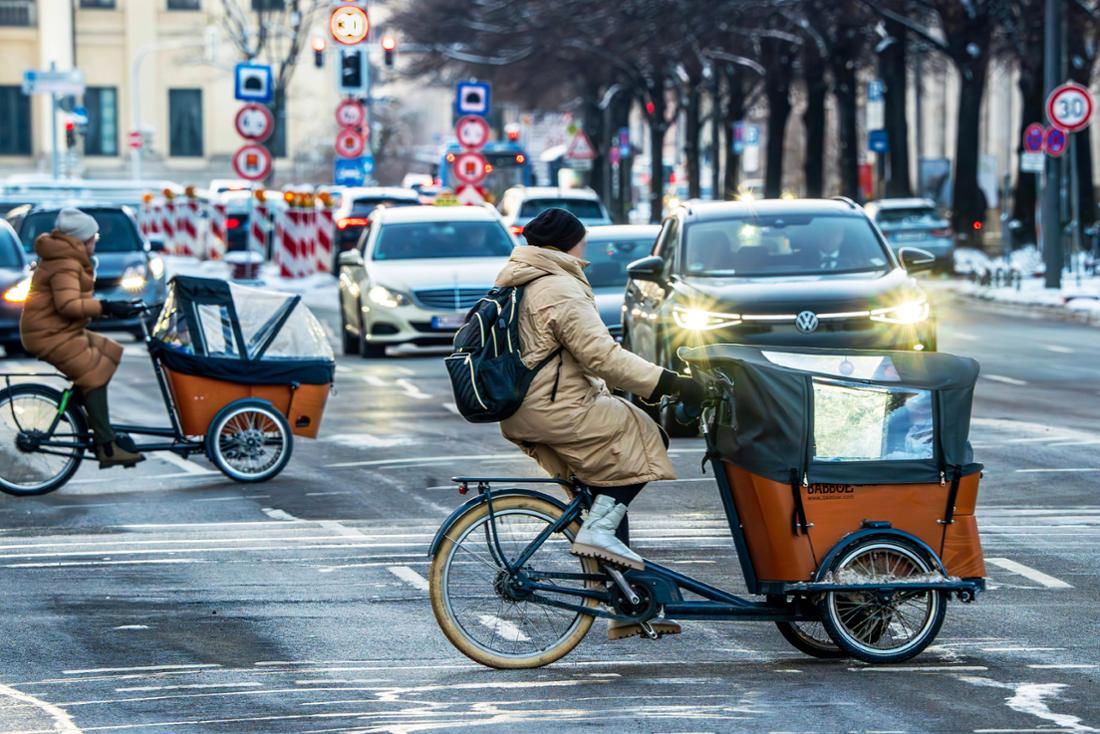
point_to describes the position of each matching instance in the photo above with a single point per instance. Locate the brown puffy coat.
(585, 430)
(57, 312)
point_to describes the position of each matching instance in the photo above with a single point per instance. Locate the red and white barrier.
(259, 228)
(168, 225)
(326, 235)
(217, 240)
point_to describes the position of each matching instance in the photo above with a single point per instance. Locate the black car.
(812, 273)
(126, 269)
(14, 285)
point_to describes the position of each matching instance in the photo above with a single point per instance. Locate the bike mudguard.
(481, 499)
(845, 542)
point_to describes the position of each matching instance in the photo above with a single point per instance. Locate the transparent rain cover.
(259, 312)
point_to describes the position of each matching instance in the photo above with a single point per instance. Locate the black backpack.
(488, 377)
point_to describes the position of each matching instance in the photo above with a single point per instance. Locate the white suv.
(521, 204)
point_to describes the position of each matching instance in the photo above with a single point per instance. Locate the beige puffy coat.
(584, 430)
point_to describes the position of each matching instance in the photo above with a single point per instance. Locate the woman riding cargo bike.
(846, 478)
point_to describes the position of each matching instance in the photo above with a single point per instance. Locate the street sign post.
(252, 162)
(876, 104)
(349, 143)
(254, 122)
(470, 167)
(350, 113)
(472, 132)
(53, 81)
(253, 83)
(878, 141)
(1070, 107)
(472, 98)
(349, 24)
(1034, 135)
(1055, 142)
(1032, 162)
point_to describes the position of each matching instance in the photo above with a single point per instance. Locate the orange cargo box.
(198, 400)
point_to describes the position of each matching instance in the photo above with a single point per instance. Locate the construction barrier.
(217, 240)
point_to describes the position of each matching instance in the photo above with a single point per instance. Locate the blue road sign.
(875, 90)
(368, 164)
(752, 135)
(472, 98)
(350, 171)
(878, 141)
(253, 83)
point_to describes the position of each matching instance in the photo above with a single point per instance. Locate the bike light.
(18, 293)
(696, 319)
(133, 278)
(912, 312)
(383, 296)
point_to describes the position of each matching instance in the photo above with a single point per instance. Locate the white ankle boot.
(596, 538)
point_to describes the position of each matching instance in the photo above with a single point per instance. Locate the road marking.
(1058, 349)
(277, 514)
(1059, 666)
(503, 627)
(188, 686)
(409, 576)
(917, 668)
(1004, 379)
(191, 666)
(340, 529)
(1026, 571)
(1028, 698)
(132, 627)
(375, 381)
(412, 390)
(1074, 469)
(63, 723)
(66, 564)
(187, 465)
(324, 494)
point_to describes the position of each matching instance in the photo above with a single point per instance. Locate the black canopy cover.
(841, 416)
(214, 328)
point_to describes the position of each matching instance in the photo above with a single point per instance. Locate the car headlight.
(18, 293)
(911, 312)
(133, 279)
(156, 267)
(383, 296)
(696, 319)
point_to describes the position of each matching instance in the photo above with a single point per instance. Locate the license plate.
(448, 322)
(908, 236)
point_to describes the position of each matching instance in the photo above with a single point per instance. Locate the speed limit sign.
(1069, 107)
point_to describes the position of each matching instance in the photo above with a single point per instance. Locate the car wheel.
(349, 342)
(366, 349)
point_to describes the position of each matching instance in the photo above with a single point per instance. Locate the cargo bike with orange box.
(241, 371)
(849, 486)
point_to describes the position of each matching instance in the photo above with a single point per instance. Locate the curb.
(1029, 310)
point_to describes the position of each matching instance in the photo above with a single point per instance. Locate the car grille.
(449, 299)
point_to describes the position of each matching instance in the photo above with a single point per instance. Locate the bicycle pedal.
(648, 631)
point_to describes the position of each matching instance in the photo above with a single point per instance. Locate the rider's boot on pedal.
(107, 448)
(617, 630)
(596, 538)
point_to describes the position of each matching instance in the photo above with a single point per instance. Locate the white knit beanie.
(76, 223)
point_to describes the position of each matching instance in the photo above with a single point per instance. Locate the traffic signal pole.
(1052, 180)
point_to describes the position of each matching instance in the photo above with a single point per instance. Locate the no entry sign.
(254, 122)
(1070, 107)
(252, 162)
(470, 167)
(350, 113)
(349, 143)
(472, 132)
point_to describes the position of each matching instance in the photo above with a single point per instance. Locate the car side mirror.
(650, 268)
(156, 244)
(915, 259)
(351, 259)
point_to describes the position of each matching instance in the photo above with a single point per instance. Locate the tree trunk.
(620, 199)
(658, 126)
(692, 133)
(732, 112)
(844, 91)
(592, 123)
(1082, 54)
(968, 203)
(892, 70)
(1030, 84)
(777, 55)
(813, 119)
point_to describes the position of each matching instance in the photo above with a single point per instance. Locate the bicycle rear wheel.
(26, 414)
(469, 591)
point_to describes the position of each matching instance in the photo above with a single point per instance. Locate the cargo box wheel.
(249, 441)
(810, 638)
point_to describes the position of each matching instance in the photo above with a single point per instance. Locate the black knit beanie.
(554, 228)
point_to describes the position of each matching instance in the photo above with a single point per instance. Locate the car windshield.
(116, 230)
(580, 208)
(417, 240)
(364, 206)
(9, 251)
(782, 244)
(609, 258)
(909, 216)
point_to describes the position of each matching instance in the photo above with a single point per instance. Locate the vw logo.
(806, 322)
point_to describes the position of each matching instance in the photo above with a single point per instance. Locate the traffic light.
(319, 52)
(353, 71)
(70, 134)
(389, 46)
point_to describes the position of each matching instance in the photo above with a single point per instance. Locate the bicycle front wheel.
(26, 413)
(469, 591)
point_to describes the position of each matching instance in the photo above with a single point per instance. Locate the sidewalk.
(1017, 281)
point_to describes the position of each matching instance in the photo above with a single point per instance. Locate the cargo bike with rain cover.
(849, 486)
(241, 372)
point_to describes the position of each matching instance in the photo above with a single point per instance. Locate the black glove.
(689, 391)
(119, 309)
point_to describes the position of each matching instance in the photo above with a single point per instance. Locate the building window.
(101, 137)
(15, 122)
(185, 122)
(183, 4)
(17, 13)
(98, 4)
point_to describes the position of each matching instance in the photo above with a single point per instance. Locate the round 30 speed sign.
(1070, 107)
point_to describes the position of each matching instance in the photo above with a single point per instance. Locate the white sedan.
(417, 272)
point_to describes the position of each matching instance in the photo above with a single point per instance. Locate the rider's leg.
(107, 449)
(624, 496)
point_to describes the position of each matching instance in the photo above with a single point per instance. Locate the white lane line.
(1070, 470)
(276, 514)
(1060, 666)
(1002, 378)
(1058, 349)
(63, 723)
(67, 564)
(409, 576)
(131, 627)
(1028, 572)
(189, 666)
(323, 494)
(340, 529)
(412, 390)
(503, 627)
(188, 687)
(174, 475)
(375, 381)
(919, 668)
(181, 463)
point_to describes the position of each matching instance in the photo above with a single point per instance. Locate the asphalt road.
(169, 599)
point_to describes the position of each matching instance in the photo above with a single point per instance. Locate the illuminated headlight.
(383, 296)
(696, 319)
(133, 279)
(156, 268)
(18, 292)
(912, 312)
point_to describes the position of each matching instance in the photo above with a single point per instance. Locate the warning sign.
(580, 148)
